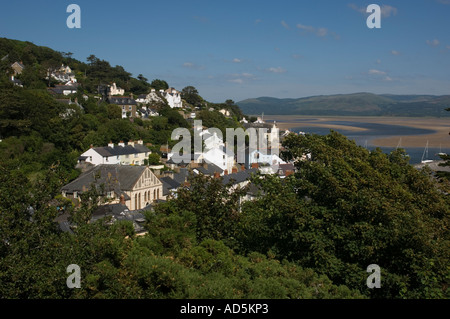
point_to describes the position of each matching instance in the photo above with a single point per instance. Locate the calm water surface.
(375, 131)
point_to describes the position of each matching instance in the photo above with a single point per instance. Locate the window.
(129, 107)
(110, 194)
(75, 194)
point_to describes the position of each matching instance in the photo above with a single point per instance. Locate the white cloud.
(305, 27)
(284, 24)
(191, 65)
(378, 61)
(394, 52)
(388, 79)
(386, 10)
(276, 70)
(236, 60)
(238, 81)
(376, 72)
(433, 43)
(320, 32)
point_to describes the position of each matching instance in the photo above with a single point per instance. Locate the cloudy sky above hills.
(249, 48)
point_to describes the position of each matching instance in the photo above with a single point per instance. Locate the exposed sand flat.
(440, 125)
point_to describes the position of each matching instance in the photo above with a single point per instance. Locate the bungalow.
(130, 154)
(134, 186)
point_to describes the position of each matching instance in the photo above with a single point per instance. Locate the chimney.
(216, 175)
(92, 146)
(225, 172)
(234, 170)
(121, 143)
(122, 199)
(140, 142)
(255, 165)
(242, 167)
(132, 95)
(111, 144)
(131, 143)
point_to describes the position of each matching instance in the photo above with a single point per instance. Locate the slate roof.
(122, 100)
(61, 88)
(239, 177)
(168, 185)
(210, 170)
(117, 178)
(117, 150)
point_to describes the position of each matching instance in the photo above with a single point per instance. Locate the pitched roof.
(117, 150)
(117, 178)
(210, 169)
(121, 100)
(239, 177)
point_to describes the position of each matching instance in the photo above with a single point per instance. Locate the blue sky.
(251, 48)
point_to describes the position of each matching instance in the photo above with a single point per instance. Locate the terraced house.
(133, 153)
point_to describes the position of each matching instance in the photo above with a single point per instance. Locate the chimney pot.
(122, 199)
(234, 170)
(216, 175)
(225, 172)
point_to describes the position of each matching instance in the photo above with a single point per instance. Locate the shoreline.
(440, 138)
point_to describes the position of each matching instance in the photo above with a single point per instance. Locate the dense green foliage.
(310, 235)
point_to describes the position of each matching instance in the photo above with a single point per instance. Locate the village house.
(17, 67)
(63, 74)
(63, 89)
(113, 89)
(127, 104)
(136, 187)
(134, 153)
(173, 97)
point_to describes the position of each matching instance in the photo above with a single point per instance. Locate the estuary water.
(374, 131)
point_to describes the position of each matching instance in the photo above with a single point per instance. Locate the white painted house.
(220, 156)
(115, 90)
(130, 154)
(173, 97)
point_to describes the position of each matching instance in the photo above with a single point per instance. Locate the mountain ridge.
(354, 104)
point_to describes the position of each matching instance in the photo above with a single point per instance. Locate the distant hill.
(357, 104)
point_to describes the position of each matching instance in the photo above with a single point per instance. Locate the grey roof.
(182, 176)
(61, 88)
(122, 100)
(238, 177)
(210, 170)
(168, 185)
(117, 178)
(117, 150)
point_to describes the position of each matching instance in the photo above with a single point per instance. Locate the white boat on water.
(425, 156)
